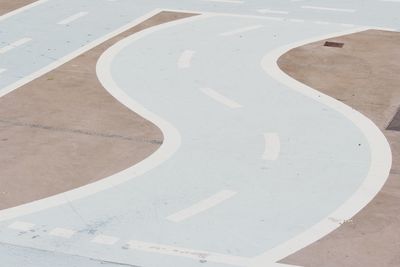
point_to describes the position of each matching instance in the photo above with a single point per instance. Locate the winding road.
(254, 165)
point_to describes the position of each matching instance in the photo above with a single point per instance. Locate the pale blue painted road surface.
(222, 147)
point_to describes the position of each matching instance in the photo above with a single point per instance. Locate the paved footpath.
(254, 165)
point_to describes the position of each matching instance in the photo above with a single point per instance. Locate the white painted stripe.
(172, 137)
(201, 206)
(72, 18)
(394, 1)
(22, 226)
(271, 11)
(185, 59)
(15, 44)
(105, 240)
(22, 9)
(241, 30)
(220, 98)
(226, 1)
(2, 70)
(272, 146)
(380, 164)
(188, 253)
(329, 9)
(62, 232)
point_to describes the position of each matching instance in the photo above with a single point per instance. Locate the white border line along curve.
(381, 157)
(170, 144)
(72, 55)
(22, 9)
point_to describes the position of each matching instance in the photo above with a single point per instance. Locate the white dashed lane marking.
(202, 256)
(15, 44)
(185, 59)
(105, 240)
(201, 206)
(62, 232)
(72, 18)
(272, 146)
(220, 98)
(241, 30)
(22, 226)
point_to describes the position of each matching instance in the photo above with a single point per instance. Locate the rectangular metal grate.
(334, 44)
(394, 125)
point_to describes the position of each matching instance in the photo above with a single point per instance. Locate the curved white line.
(381, 158)
(169, 146)
(22, 9)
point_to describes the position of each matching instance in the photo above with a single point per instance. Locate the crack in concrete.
(80, 131)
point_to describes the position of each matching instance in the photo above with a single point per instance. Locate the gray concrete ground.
(364, 74)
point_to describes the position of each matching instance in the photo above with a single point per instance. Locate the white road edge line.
(15, 44)
(272, 146)
(171, 135)
(330, 9)
(188, 253)
(185, 59)
(22, 9)
(241, 30)
(72, 18)
(2, 70)
(381, 157)
(220, 98)
(201, 206)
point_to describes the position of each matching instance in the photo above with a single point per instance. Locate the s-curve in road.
(254, 165)
(59, 30)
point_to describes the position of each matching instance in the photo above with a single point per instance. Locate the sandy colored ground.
(364, 74)
(63, 130)
(7, 5)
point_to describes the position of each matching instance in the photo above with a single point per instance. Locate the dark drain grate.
(334, 44)
(394, 125)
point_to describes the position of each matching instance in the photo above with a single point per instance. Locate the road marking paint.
(62, 232)
(105, 240)
(72, 18)
(203, 256)
(15, 44)
(22, 9)
(172, 138)
(394, 1)
(220, 98)
(272, 146)
(201, 206)
(22, 226)
(329, 9)
(226, 1)
(185, 59)
(380, 164)
(2, 70)
(241, 30)
(264, 11)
